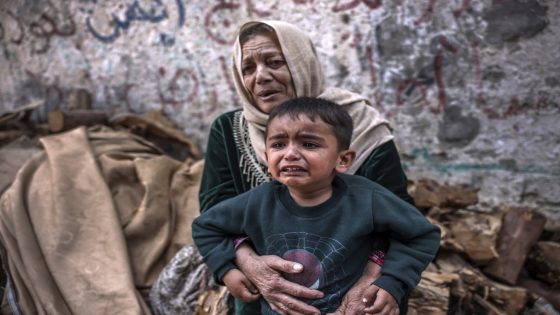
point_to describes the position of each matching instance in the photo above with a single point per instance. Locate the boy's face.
(303, 154)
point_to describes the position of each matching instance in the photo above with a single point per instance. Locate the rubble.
(489, 262)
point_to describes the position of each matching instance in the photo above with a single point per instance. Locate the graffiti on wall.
(178, 85)
(447, 52)
(181, 87)
(39, 30)
(121, 20)
(219, 17)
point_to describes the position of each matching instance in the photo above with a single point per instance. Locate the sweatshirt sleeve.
(213, 233)
(413, 243)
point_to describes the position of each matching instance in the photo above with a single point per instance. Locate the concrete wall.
(472, 87)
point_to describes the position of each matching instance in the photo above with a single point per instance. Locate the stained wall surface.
(471, 87)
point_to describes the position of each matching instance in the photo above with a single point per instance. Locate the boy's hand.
(352, 303)
(240, 287)
(379, 302)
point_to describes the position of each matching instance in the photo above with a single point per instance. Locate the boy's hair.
(329, 112)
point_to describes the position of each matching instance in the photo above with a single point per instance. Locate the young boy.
(314, 214)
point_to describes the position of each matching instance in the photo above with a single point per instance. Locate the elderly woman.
(274, 62)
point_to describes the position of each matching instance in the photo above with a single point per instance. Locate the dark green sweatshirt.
(332, 240)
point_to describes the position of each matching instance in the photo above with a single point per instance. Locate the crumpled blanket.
(90, 222)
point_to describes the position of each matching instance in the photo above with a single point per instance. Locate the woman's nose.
(262, 74)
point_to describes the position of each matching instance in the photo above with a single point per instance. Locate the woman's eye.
(276, 63)
(247, 69)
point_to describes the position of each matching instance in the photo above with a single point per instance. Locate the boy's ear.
(345, 160)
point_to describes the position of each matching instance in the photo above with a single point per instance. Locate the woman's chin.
(267, 104)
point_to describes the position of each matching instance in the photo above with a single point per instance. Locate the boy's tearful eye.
(277, 145)
(310, 145)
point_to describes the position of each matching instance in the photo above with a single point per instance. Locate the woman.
(273, 62)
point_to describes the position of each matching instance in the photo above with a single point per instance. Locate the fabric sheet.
(90, 222)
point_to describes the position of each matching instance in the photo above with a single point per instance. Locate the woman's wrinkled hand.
(352, 303)
(282, 295)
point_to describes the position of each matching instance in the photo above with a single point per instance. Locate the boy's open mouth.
(292, 170)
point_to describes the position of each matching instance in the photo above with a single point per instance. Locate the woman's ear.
(345, 160)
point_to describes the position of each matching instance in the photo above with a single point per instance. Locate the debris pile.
(496, 261)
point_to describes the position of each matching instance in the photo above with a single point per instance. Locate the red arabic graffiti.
(40, 30)
(371, 4)
(464, 7)
(426, 14)
(373, 75)
(214, 29)
(180, 89)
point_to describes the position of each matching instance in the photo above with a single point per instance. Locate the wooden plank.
(65, 120)
(520, 230)
(539, 288)
(543, 263)
(476, 233)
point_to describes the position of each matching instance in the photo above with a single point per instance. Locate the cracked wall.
(471, 86)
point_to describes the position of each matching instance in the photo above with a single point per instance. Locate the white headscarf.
(370, 129)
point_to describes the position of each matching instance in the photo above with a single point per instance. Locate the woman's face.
(265, 72)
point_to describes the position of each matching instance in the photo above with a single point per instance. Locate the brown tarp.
(89, 223)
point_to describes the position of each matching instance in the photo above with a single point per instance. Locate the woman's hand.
(352, 303)
(282, 295)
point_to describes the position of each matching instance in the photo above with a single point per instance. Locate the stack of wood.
(490, 261)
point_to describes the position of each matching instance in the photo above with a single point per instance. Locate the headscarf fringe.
(254, 171)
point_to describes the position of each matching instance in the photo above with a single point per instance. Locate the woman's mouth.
(265, 95)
